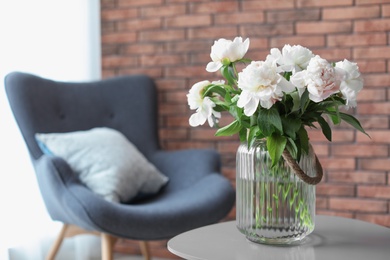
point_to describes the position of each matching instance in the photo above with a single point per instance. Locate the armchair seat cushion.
(106, 162)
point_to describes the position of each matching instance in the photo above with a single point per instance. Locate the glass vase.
(274, 206)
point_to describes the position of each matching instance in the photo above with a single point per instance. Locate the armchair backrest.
(127, 103)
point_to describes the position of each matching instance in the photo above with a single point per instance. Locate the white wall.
(57, 39)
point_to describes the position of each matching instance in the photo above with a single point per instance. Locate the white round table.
(333, 238)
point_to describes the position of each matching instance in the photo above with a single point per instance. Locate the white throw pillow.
(106, 162)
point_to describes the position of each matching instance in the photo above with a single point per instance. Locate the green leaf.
(215, 89)
(269, 120)
(326, 130)
(291, 125)
(243, 134)
(276, 145)
(303, 140)
(253, 132)
(227, 73)
(353, 122)
(231, 129)
(296, 101)
(236, 112)
(304, 101)
(292, 147)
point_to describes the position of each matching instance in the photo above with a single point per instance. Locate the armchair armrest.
(64, 195)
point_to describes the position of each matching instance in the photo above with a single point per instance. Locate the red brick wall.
(170, 40)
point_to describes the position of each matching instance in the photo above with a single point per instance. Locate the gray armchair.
(196, 195)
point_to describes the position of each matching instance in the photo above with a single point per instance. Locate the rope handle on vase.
(300, 173)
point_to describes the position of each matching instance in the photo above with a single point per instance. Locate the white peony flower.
(261, 83)
(204, 106)
(321, 79)
(226, 51)
(352, 83)
(292, 58)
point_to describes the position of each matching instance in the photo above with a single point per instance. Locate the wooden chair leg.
(108, 243)
(57, 243)
(145, 249)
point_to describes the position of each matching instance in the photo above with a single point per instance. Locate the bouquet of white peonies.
(277, 98)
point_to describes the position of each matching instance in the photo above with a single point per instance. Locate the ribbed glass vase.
(273, 205)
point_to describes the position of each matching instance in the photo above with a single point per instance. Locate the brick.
(306, 41)
(370, 66)
(110, 50)
(174, 110)
(173, 133)
(374, 122)
(375, 164)
(337, 163)
(372, 52)
(359, 150)
(378, 219)
(239, 18)
(188, 21)
(321, 203)
(257, 43)
(122, 37)
(174, 120)
(151, 72)
(135, 3)
(372, 25)
(228, 147)
(376, 80)
(266, 4)
(139, 24)
(334, 54)
(189, 46)
(107, 28)
(367, 94)
(145, 48)
(319, 3)
(107, 4)
(334, 190)
(118, 61)
(162, 35)
(162, 11)
(370, 2)
(292, 15)
(175, 96)
(346, 13)
(180, 145)
(323, 27)
(338, 136)
(170, 84)
(358, 205)
(266, 30)
(335, 213)
(381, 192)
(376, 137)
(161, 59)
(118, 14)
(214, 7)
(186, 71)
(386, 10)
(368, 39)
(362, 177)
(321, 150)
(200, 58)
(378, 108)
(109, 73)
(213, 33)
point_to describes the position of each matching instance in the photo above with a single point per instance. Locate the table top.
(333, 238)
